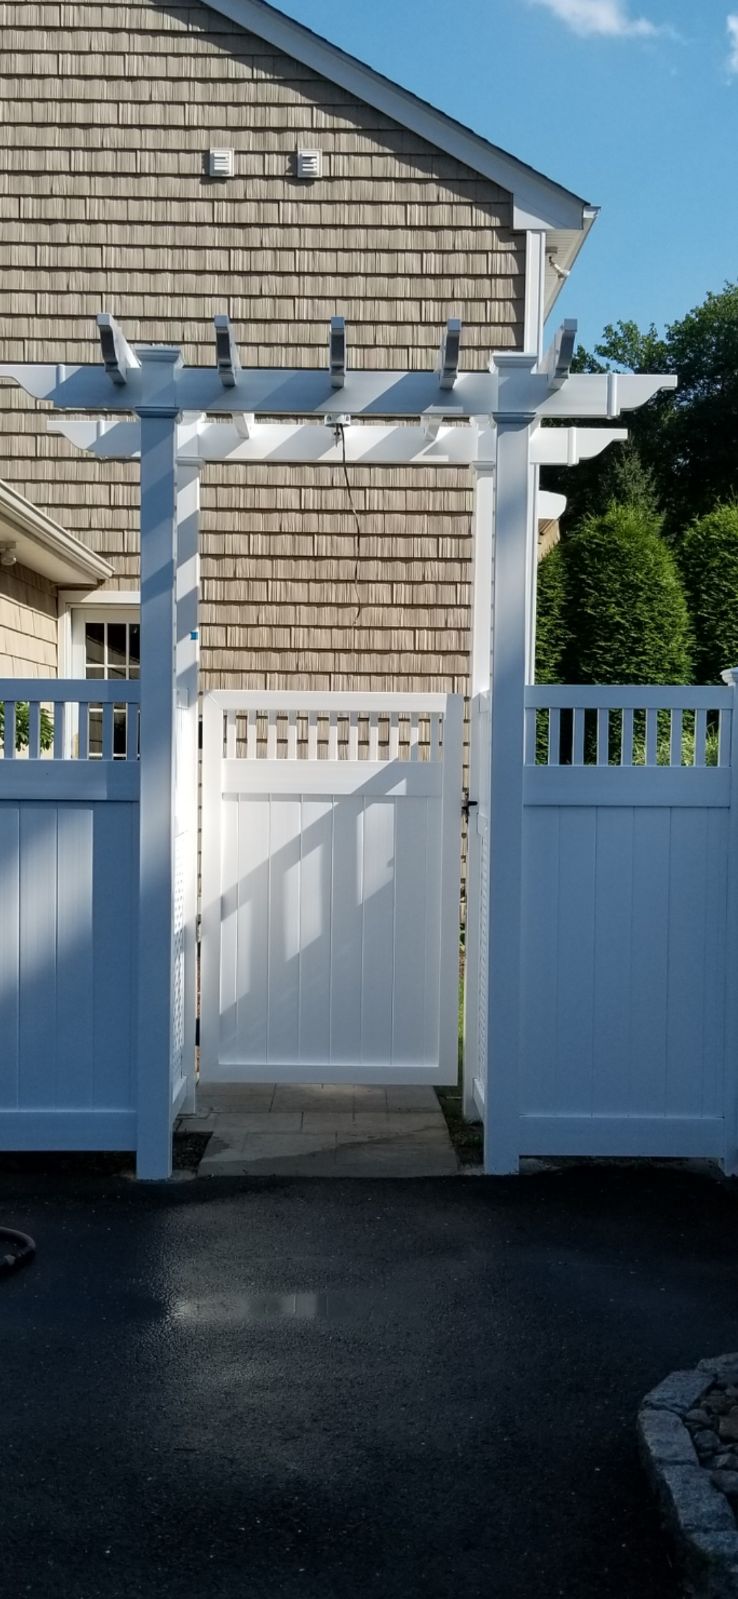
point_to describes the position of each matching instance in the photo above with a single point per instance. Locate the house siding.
(28, 624)
(109, 111)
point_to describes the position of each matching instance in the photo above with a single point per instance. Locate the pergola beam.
(448, 357)
(337, 352)
(377, 394)
(558, 359)
(226, 352)
(305, 443)
(118, 355)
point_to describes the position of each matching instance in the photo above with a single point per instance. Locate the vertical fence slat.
(603, 736)
(353, 736)
(414, 736)
(436, 723)
(333, 736)
(312, 735)
(373, 736)
(9, 731)
(700, 738)
(230, 735)
(272, 736)
(251, 736)
(107, 732)
(292, 736)
(394, 736)
(577, 755)
(34, 730)
(725, 737)
(652, 736)
(675, 744)
(554, 736)
(84, 730)
(626, 742)
(60, 711)
(531, 717)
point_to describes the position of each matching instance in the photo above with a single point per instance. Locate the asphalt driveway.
(332, 1389)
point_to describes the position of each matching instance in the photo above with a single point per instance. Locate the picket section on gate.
(628, 869)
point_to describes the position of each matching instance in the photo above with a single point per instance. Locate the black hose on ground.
(22, 1249)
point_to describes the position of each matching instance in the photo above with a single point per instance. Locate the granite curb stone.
(691, 1500)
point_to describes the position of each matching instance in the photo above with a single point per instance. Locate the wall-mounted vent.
(220, 164)
(309, 164)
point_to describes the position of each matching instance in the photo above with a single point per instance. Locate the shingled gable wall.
(108, 112)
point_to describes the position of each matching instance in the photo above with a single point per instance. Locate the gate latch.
(468, 805)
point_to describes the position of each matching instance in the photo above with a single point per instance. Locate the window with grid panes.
(112, 650)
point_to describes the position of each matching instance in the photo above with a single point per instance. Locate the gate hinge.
(468, 805)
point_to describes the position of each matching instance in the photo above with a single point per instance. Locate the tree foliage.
(708, 556)
(551, 623)
(687, 440)
(617, 604)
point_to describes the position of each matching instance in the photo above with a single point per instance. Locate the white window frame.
(76, 609)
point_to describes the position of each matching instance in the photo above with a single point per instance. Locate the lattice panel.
(334, 736)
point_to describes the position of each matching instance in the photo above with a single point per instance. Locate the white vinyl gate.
(330, 887)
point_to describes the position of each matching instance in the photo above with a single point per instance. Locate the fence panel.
(625, 921)
(68, 884)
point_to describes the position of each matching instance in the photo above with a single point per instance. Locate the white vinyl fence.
(331, 865)
(628, 878)
(69, 914)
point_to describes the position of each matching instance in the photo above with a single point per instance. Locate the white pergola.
(144, 402)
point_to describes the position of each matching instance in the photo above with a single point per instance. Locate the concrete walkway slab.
(295, 1130)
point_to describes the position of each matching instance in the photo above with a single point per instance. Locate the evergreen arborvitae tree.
(627, 481)
(626, 609)
(708, 556)
(551, 627)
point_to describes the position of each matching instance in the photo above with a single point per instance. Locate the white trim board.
(43, 546)
(539, 203)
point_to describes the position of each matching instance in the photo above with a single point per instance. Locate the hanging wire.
(339, 434)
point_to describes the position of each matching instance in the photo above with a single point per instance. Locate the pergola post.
(158, 776)
(475, 963)
(514, 508)
(270, 412)
(187, 695)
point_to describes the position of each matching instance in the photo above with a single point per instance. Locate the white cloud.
(732, 26)
(609, 19)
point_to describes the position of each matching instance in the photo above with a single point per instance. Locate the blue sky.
(633, 104)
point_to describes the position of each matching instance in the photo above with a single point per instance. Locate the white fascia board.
(538, 202)
(44, 546)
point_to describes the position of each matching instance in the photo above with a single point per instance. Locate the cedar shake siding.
(28, 623)
(108, 113)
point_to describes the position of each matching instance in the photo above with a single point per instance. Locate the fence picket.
(626, 743)
(652, 737)
(554, 737)
(675, 746)
(107, 732)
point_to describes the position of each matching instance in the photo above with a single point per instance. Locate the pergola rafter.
(489, 421)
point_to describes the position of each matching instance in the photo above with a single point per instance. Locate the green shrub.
(626, 612)
(708, 557)
(551, 625)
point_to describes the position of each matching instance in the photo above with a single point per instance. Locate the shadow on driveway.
(342, 1389)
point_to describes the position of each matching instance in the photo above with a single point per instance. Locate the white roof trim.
(44, 546)
(538, 202)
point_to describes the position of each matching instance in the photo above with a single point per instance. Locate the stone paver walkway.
(291, 1131)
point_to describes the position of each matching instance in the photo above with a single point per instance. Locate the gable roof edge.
(538, 202)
